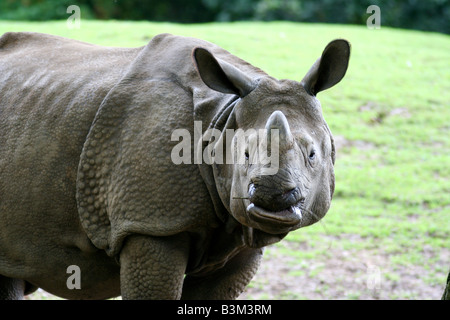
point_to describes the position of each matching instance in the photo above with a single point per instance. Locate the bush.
(430, 15)
(278, 10)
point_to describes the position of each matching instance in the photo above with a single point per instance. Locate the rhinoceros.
(92, 203)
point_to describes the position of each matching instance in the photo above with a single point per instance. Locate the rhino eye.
(246, 155)
(312, 155)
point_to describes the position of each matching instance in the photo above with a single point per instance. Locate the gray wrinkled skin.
(86, 176)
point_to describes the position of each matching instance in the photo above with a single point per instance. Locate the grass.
(391, 113)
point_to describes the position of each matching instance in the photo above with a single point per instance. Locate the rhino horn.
(277, 120)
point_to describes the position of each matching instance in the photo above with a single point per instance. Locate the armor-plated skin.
(87, 179)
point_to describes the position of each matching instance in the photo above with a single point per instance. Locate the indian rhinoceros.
(88, 182)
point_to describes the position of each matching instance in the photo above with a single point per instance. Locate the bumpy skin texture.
(87, 179)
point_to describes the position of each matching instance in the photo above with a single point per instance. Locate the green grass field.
(387, 234)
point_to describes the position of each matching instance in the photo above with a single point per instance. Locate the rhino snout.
(274, 209)
(274, 199)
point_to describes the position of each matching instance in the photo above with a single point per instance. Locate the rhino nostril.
(290, 192)
(291, 196)
(273, 199)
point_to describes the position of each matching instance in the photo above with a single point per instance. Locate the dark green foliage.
(41, 10)
(430, 15)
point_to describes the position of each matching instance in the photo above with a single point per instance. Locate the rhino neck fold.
(255, 238)
(218, 117)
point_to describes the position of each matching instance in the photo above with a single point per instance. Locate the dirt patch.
(381, 112)
(341, 142)
(346, 274)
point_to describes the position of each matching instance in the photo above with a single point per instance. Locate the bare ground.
(347, 274)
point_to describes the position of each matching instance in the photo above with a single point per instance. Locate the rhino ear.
(329, 69)
(222, 77)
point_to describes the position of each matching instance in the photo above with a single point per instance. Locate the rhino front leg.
(153, 267)
(226, 283)
(11, 289)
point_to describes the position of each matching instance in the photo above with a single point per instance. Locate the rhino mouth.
(286, 218)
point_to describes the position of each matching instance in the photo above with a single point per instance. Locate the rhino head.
(283, 117)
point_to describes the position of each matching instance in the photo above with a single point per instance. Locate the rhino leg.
(11, 289)
(446, 294)
(226, 283)
(153, 267)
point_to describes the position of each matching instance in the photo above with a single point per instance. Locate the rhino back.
(51, 89)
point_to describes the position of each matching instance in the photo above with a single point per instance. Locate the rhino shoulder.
(13, 39)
